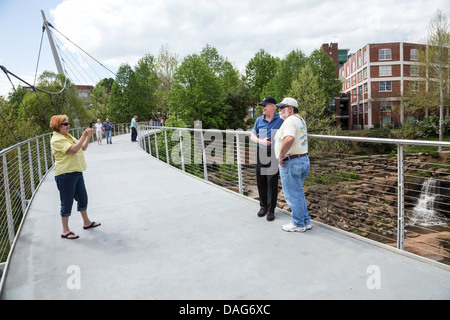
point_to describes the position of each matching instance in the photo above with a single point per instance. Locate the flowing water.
(424, 213)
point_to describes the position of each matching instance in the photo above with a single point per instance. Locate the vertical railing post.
(30, 163)
(401, 198)
(138, 131)
(39, 159)
(238, 156)
(9, 214)
(156, 146)
(167, 147)
(21, 180)
(45, 153)
(149, 142)
(181, 151)
(205, 164)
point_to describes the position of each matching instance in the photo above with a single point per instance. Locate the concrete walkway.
(167, 235)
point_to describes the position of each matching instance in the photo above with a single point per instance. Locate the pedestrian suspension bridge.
(182, 229)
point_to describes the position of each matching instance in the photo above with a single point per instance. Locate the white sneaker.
(291, 228)
(308, 227)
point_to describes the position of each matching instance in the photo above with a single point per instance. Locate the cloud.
(123, 31)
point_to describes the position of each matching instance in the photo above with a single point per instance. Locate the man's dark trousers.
(267, 176)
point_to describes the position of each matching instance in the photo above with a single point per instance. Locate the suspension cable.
(82, 50)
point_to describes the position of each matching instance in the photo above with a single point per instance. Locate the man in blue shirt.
(108, 126)
(266, 164)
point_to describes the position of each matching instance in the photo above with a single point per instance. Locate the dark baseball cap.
(268, 100)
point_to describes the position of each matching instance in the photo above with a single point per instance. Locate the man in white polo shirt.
(291, 149)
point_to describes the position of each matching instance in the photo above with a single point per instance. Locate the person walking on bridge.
(69, 167)
(291, 149)
(108, 127)
(99, 131)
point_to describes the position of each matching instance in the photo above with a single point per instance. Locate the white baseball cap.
(288, 102)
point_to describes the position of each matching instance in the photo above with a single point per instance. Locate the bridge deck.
(167, 235)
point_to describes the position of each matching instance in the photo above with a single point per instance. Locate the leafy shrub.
(430, 126)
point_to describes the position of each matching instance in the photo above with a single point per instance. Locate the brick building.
(374, 79)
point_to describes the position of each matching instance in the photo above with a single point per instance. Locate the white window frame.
(414, 70)
(414, 54)
(385, 86)
(385, 71)
(386, 106)
(385, 54)
(414, 85)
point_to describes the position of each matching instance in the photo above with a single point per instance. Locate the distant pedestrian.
(267, 174)
(69, 166)
(291, 149)
(108, 128)
(134, 128)
(99, 131)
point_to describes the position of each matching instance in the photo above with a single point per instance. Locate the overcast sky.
(122, 31)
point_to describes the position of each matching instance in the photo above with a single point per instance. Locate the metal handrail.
(23, 167)
(149, 142)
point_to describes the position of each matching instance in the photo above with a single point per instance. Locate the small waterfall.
(424, 213)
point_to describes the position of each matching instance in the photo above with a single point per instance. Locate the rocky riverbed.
(359, 195)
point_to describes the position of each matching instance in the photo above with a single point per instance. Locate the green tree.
(197, 93)
(258, 73)
(433, 65)
(312, 99)
(147, 83)
(124, 101)
(326, 69)
(100, 101)
(166, 63)
(288, 71)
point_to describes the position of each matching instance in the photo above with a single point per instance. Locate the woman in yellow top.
(69, 167)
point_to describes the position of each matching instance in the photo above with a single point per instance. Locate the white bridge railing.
(23, 167)
(378, 196)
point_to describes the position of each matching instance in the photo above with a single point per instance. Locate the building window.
(385, 86)
(386, 120)
(384, 54)
(365, 73)
(359, 61)
(386, 106)
(414, 85)
(385, 71)
(414, 71)
(409, 119)
(360, 76)
(414, 54)
(365, 57)
(365, 88)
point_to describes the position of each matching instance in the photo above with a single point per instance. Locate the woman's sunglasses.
(65, 124)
